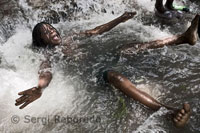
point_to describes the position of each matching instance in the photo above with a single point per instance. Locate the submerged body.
(50, 39)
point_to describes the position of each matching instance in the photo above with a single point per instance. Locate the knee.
(105, 76)
(108, 75)
(112, 77)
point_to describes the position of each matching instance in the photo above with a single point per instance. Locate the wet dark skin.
(159, 5)
(119, 81)
(189, 37)
(52, 38)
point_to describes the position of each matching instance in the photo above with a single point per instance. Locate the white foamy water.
(150, 125)
(18, 72)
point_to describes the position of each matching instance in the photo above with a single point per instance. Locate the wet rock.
(51, 17)
(1, 15)
(2, 2)
(74, 4)
(63, 15)
(65, 11)
(103, 10)
(37, 3)
(10, 16)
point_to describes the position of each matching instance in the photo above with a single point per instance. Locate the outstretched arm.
(45, 74)
(108, 26)
(30, 95)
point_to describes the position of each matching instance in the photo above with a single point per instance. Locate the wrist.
(40, 89)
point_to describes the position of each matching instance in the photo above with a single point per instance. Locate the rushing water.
(169, 74)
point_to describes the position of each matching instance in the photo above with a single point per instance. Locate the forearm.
(105, 27)
(108, 26)
(44, 79)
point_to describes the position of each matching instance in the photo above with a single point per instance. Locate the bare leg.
(122, 83)
(190, 37)
(125, 85)
(159, 6)
(169, 4)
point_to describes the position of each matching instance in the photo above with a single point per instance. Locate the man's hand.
(28, 96)
(128, 15)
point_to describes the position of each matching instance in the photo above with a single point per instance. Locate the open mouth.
(55, 36)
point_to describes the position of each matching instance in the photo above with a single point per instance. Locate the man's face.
(49, 35)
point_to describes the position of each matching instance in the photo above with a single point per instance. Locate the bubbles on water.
(153, 123)
(71, 95)
(151, 90)
(23, 75)
(149, 4)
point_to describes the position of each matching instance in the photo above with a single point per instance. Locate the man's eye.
(51, 28)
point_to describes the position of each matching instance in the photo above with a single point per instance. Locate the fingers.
(130, 14)
(27, 97)
(25, 104)
(22, 100)
(23, 92)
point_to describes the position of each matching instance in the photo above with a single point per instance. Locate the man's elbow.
(46, 75)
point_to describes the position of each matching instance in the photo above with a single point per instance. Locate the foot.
(191, 34)
(163, 14)
(183, 115)
(176, 13)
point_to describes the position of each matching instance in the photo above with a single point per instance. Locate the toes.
(180, 115)
(175, 120)
(186, 107)
(182, 111)
(178, 118)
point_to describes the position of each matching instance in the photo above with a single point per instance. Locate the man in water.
(45, 36)
(167, 11)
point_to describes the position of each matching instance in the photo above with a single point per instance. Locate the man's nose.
(51, 30)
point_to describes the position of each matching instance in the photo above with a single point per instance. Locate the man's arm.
(108, 26)
(30, 95)
(45, 74)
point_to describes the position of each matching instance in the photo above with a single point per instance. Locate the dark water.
(170, 74)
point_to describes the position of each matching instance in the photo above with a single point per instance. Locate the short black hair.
(38, 42)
